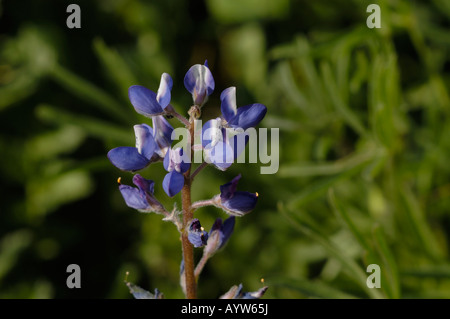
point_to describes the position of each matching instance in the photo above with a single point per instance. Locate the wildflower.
(175, 165)
(199, 82)
(139, 293)
(149, 103)
(219, 234)
(242, 117)
(141, 198)
(236, 203)
(133, 159)
(236, 292)
(197, 234)
(223, 138)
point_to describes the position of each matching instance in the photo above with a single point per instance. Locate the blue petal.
(173, 183)
(174, 161)
(248, 116)
(145, 143)
(196, 234)
(241, 203)
(145, 185)
(144, 101)
(199, 82)
(222, 155)
(133, 197)
(227, 190)
(237, 142)
(226, 230)
(162, 133)
(166, 161)
(165, 86)
(127, 158)
(228, 103)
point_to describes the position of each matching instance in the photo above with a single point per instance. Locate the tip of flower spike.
(118, 182)
(257, 195)
(262, 280)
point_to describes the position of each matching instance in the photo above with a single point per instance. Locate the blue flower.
(197, 234)
(139, 293)
(141, 198)
(236, 203)
(199, 82)
(236, 292)
(149, 103)
(162, 133)
(133, 159)
(219, 234)
(176, 166)
(151, 146)
(223, 138)
(242, 117)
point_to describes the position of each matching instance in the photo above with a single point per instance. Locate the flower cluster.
(220, 148)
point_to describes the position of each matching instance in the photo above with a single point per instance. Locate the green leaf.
(310, 288)
(350, 266)
(92, 94)
(92, 126)
(116, 68)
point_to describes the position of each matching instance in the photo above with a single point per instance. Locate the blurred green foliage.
(364, 145)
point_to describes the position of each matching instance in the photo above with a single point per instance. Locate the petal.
(144, 101)
(174, 160)
(237, 142)
(127, 158)
(248, 116)
(228, 103)
(145, 143)
(254, 295)
(222, 156)
(165, 86)
(241, 203)
(133, 197)
(199, 82)
(196, 234)
(226, 230)
(227, 190)
(173, 183)
(145, 185)
(162, 133)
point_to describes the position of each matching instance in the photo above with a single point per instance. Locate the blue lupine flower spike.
(135, 158)
(141, 198)
(149, 103)
(236, 203)
(199, 82)
(197, 234)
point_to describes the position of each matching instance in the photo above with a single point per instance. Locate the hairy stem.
(171, 111)
(198, 169)
(188, 249)
(203, 203)
(201, 264)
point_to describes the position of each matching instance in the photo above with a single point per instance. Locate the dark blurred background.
(364, 145)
